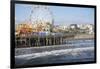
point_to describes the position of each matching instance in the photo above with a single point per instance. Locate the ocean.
(72, 51)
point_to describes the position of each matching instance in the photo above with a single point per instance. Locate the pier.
(31, 40)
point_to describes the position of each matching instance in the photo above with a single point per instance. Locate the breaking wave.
(81, 52)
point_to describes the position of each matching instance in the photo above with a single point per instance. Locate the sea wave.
(72, 52)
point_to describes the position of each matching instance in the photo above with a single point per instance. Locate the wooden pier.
(31, 40)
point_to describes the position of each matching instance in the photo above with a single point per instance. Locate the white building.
(88, 28)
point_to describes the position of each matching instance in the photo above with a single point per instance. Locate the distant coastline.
(81, 36)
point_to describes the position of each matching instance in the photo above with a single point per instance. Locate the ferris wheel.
(41, 13)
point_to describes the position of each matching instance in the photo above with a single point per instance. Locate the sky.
(62, 15)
